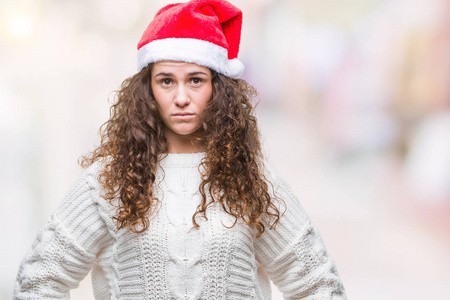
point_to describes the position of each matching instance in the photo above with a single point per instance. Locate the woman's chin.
(183, 132)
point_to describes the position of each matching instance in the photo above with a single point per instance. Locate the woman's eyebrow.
(189, 74)
(164, 74)
(197, 73)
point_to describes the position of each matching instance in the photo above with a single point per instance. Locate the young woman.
(177, 203)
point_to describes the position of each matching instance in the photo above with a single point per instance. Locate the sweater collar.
(181, 159)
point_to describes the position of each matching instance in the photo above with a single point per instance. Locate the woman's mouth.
(183, 115)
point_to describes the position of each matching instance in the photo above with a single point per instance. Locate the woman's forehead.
(179, 67)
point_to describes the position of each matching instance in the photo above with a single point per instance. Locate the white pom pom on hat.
(205, 32)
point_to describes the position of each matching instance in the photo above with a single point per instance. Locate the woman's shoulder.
(87, 191)
(91, 175)
(280, 189)
(84, 200)
(92, 172)
(271, 174)
(84, 189)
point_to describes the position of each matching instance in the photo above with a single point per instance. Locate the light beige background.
(354, 112)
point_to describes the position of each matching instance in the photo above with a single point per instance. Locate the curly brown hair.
(133, 139)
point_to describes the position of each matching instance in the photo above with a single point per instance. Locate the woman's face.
(181, 91)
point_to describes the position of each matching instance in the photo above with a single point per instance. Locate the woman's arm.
(65, 248)
(294, 255)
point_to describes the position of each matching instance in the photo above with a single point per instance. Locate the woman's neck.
(183, 143)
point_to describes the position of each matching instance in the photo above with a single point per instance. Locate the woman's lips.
(183, 115)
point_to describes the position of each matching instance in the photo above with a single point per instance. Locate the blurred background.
(354, 110)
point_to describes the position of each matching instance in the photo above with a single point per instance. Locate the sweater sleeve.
(293, 254)
(66, 247)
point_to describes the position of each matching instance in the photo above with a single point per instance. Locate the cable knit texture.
(171, 260)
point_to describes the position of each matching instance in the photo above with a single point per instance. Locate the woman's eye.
(196, 81)
(166, 81)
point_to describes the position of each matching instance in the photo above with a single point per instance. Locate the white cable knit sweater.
(170, 261)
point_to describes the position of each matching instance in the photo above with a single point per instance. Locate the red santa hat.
(205, 32)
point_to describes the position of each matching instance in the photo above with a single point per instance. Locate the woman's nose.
(182, 96)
